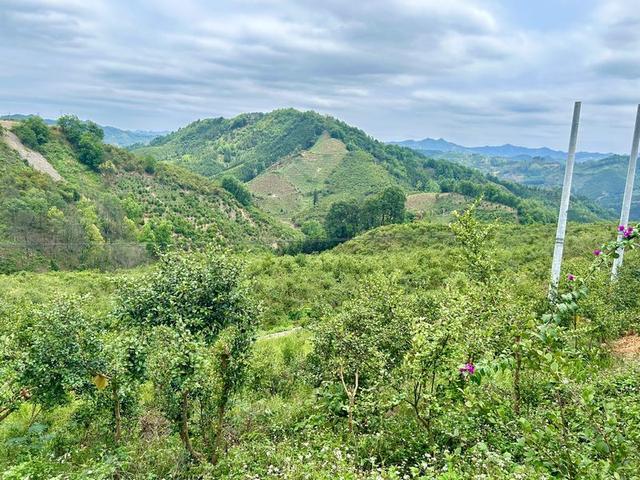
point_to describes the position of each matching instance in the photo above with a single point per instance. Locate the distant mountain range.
(430, 145)
(112, 135)
(597, 176)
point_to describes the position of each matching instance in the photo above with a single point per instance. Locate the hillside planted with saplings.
(428, 352)
(298, 164)
(111, 209)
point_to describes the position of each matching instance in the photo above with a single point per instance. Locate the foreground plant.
(200, 321)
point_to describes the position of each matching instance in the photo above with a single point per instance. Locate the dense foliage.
(86, 137)
(33, 132)
(426, 352)
(236, 188)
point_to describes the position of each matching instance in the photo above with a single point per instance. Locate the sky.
(473, 72)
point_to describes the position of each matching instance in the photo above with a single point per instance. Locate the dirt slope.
(33, 158)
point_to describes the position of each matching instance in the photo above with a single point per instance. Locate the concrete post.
(564, 204)
(628, 192)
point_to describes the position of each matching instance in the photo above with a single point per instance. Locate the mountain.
(429, 145)
(602, 180)
(115, 216)
(112, 135)
(299, 163)
(127, 138)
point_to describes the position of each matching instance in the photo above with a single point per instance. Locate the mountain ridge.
(505, 150)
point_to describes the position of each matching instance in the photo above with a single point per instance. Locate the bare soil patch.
(33, 158)
(627, 347)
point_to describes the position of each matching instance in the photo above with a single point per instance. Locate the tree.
(57, 351)
(392, 205)
(86, 138)
(236, 188)
(150, 164)
(313, 229)
(90, 150)
(72, 128)
(365, 342)
(476, 240)
(26, 135)
(201, 322)
(33, 132)
(343, 220)
(157, 235)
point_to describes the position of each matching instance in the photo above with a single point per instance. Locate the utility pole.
(564, 204)
(628, 193)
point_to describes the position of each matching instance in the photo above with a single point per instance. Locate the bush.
(236, 188)
(86, 137)
(90, 150)
(33, 132)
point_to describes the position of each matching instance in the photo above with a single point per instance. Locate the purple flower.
(467, 368)
(628, 232)
(621, 228)
(571, 277)
(597, 252)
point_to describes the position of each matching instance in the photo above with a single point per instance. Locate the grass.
(438, 207)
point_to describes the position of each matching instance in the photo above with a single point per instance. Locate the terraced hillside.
(304, 185)
(437, 207)
(299, 163)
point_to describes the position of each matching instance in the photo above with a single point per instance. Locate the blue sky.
(474, 72)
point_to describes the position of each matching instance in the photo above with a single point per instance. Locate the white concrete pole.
(564, 204)
(628, 192)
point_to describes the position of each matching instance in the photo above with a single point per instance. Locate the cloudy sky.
(473, 72)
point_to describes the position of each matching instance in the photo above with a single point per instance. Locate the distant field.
(438, 207)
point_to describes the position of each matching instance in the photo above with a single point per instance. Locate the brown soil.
(627, 347)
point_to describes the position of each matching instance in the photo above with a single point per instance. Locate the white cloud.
(462, 69)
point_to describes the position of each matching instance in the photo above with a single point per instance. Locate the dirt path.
(35, 159)
(284, 333)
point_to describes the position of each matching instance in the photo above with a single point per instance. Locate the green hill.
(112, 135)
(601, 181)
(117, 215)
(298, 163)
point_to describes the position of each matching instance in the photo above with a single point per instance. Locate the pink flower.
(571, 277)
(621, 228)
(628, 232)
(597, 252)
(468, 368)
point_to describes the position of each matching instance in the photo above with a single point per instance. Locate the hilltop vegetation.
(112, 135)
(111, 208)
(298, 164)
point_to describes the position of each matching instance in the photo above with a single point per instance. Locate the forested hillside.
(601, 181)
(111, 208)
(300, 163)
